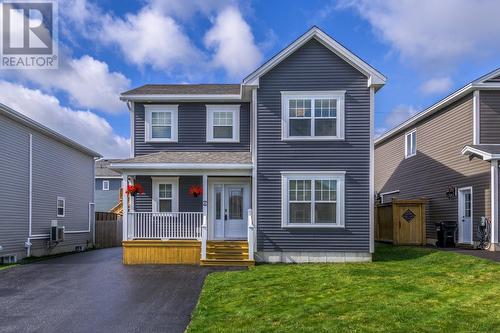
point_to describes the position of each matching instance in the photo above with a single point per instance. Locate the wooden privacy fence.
(108, 230)
(401, 222)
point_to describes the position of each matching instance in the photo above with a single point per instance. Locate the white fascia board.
(180, 98)
(485, 155)
(375, 78)
(108, 177)
(180, 166)
(488, 76)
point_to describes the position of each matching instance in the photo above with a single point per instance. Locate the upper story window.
(61, 207)
(161, 123)
(105, 185)
(223, 123)
(312, 115)
(411, 144)
(313, 199)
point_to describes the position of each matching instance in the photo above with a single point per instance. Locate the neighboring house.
(107, 186)
(284, 160)
(45, 177)
(448, 154)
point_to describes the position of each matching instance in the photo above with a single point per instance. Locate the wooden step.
(232, 256)
(227, 262)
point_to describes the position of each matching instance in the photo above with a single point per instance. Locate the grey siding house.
(108, 184)
(45, 177)
(448, 154)
(283, 162)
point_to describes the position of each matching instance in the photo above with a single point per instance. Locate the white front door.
(465, 215)
(230, 205)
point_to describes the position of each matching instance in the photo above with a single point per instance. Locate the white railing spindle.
(177, 225)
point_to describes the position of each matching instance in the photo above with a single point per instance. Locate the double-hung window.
(165, 194)
(161, 123)
(313, 199)
(312, 115)
(61, 207)
(411, 144)
(223, 123)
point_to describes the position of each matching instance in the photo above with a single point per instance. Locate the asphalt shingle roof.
(185, 89)
(102, 170)
(192, 158)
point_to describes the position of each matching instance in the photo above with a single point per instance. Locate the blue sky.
(426, 49)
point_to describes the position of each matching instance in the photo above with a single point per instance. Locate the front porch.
(171, 223)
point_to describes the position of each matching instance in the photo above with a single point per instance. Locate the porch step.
(227, 253)
(227, 262)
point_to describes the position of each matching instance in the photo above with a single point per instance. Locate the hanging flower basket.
(195, 190)
(133, 190)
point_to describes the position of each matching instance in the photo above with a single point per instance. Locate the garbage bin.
(445, 231)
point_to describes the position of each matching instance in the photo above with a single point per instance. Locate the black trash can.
(445, 231)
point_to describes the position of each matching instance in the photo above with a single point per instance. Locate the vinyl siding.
(313, 67)
(57, 170)
(187, 203)
(494, 79)
(191, 131)
(437, 165)
(105, 200)
(490, 116)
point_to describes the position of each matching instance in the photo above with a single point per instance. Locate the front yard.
(406, 289)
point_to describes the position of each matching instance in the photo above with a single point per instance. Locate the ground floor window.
(313, 199)
(165, 194)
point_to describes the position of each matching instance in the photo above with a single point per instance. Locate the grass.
(405, 289)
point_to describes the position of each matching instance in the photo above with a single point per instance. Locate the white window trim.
(148, 109)
(339, 176)
(408, 151)
(63, 206)
(339, 95)
(235, 109)
(174, 181)
(105, 188)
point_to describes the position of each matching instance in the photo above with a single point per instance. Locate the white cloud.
(185, 9)
(436, 85)
(233, 42)
(84, 127)
(434, 34)
(88, 82)
(399, 114)
(151, 38)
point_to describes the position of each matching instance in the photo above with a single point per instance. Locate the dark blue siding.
(313, 67)
(187, 203)
(191, 131)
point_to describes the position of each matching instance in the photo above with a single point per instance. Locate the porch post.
(251, 235)
(125, 207)
(494, 204)
(204, 226)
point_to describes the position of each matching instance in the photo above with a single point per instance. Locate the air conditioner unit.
(56, 232)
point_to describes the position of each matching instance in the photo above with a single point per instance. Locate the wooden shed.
(401, 222)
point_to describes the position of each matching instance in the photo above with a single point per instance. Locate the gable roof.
(28, 122)
(482, 83)
(375, 78)
(102, 169)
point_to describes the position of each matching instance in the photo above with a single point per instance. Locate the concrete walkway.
(94, 292)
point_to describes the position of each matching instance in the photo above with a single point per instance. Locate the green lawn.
(405, 289)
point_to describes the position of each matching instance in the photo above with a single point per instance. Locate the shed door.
(410, 224)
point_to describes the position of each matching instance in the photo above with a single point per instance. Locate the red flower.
(195, 190)
(135, 189)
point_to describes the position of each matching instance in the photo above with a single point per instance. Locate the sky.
(425, 48)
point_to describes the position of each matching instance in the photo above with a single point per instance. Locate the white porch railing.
(178, 225)
(251, 235)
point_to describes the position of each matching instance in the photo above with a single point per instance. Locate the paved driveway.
(94, 292)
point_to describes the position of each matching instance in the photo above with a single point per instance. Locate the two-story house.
(278, 168)
(449, 155)
(107, 186)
